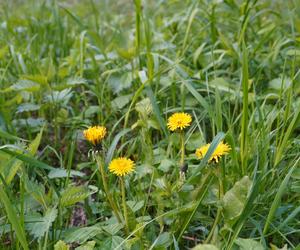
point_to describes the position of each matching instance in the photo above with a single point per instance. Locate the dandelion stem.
(109, 198)
(124, 204)
(182, 148)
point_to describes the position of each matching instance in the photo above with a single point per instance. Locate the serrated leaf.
(112, 243)
(59, 96)
(73, 194)
(113, 228)
(76, 81)
(26, 85)
(36, 190)
(135, 205)
(25, 107)
(83, 234)
(39, 228)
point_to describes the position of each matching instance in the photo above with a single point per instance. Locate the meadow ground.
(150, 124)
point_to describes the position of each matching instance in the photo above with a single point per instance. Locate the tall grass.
(129, 65)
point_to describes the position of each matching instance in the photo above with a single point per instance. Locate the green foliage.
(234, 199)
(73, 194)
(43, 224)
(60, 245)
(129, 65)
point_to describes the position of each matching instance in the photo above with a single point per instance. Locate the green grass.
(129, 65)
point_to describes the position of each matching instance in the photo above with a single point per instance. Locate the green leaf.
(234, 199)
(83, 234)
(205, 247)
(248, 244)
(60, 245)
(121, 101)
(26, 107)
(32, 149)
(120, 81)
(113, 145)
(26, 85)
(62, 173)
(112, 243)
(73, 194)
(87, 246)
(13, 218)
(36, 190)
(39, 228)
(162, 241)
(135, 205)
(214, 144)
(277, 200)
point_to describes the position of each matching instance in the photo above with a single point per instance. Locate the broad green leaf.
(112, 243)
(279, 83)
(63, 173)
(83, 234)
(234, 199)
(121, 101)
(135, 205)
(73, 194)
(119, 81)
(205, 247)
(60, 245)
(87, 246)
(25, 85)
(39, 228)
(162, 241)
(26, 107)
(248, 244)
(59, 96)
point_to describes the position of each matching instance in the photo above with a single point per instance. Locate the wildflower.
(95, 134)
(222, 149)
(179, 121)
(121, 166)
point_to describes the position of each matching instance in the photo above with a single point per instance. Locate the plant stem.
(218, 216)
(182, 148)
(124, 205)
(104, 182)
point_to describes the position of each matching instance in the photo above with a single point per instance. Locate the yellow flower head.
(95, 134)
(222, 149)
(179, 121)
(121, 166)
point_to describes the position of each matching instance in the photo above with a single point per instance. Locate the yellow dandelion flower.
(222, 149)
(95, 134)
(121, 166)
(179, 121)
